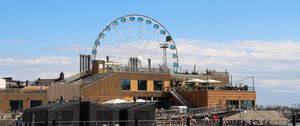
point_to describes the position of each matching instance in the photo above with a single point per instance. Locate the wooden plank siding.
(211, 98)
(67, 91)
(26, 97)
(110, 87)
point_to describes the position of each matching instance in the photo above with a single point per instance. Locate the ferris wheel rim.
(136, 15)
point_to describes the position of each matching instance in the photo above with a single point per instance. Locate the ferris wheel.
(137, 36)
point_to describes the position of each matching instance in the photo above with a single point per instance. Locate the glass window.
(157, 85)
(16, 105)
(142, 84)
(125, 84)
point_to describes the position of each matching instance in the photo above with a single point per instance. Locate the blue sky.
(57, 31)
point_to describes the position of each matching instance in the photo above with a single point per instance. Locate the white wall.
(2, 83)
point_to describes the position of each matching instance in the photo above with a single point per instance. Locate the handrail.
(75, 76)
(180, 98)
(226, 88)
(20, 90)
(141, 70)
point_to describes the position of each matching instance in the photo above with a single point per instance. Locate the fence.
(169, 122)
(84, 123)
(141, 70)
(195, 112)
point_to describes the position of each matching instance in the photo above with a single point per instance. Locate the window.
(157, 85)
(142, 84)
(16, 105)
(125, 84)
(34, 103)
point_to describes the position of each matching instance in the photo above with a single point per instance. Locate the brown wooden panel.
(26, 97)
(216, 97)
(67, 91)
(110, 87)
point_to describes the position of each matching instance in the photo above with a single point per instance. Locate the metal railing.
(181, 99)
(90, 80)
(21, 91)
(75, 76)
(228, 88)
(195, 112)
(89, 123)
(141, 70)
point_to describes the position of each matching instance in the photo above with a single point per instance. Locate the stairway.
(180, 98)
(94, 78)
(75, 77)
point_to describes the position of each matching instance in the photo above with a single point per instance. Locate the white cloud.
(275, 65)
(39, 67)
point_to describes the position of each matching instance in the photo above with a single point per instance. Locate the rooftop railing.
(19, 90)
(141, 70)
(229, 88)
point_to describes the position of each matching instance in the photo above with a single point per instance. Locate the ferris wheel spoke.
(129, 30)
(141, 31)
(147, 50)
(118, 34)
(123, 51)
(148, 41)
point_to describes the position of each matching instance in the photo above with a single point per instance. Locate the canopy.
(212, 81)
(196, 81)
(139, 100)
(115, 101)
(203, 81)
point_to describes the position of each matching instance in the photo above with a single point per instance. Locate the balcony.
(140, 70)
(226, 87)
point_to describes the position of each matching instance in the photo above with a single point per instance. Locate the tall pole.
(149, 64)
(164, 46)
(89, 63)
(253, 82)
(81, 62)
(165, 57)
(231, 80)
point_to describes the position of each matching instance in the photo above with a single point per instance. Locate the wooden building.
(16, 100)
(129, 83)
(122, 84)
(220, 98)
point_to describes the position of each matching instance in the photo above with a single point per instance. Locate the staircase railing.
(75, 77)
(90, 80)
(180, 98)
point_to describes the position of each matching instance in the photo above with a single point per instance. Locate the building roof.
(116, 107)
(132, 105)
(55, 106)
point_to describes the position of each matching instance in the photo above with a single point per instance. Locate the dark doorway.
(34, 103)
